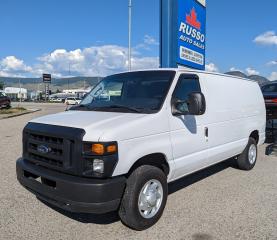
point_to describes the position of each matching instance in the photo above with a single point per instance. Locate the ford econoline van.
(136, 132)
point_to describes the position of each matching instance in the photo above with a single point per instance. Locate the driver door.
(189, 135)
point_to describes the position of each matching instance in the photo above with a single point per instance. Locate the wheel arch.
(255, 135)
(154, 159)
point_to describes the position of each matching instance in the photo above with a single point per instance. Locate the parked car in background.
(5, 101)
(72, 101)
(56, 100)
(270, 96)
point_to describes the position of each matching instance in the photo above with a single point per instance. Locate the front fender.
(130, 151)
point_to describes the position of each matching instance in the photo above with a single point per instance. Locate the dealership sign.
(46, 78)
(183, 33)
(191, 34)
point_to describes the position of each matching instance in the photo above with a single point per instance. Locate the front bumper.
(71, 193)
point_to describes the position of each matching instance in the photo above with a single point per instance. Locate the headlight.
(98, 166)
(100, 159)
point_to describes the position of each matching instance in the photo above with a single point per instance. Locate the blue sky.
(90, 36)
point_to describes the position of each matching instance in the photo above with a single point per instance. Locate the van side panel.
(235, 108)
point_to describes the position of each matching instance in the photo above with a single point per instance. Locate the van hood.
(102, 126)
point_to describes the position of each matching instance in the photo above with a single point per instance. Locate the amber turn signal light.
(111, 149)
(98, 148)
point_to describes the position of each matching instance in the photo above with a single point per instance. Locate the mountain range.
(261, 80)
(34, 84)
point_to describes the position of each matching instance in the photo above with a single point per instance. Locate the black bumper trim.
(71, 193)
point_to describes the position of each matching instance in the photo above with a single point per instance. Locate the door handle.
(206, 132)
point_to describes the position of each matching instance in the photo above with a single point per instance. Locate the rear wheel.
(144, 198)
(247, 160)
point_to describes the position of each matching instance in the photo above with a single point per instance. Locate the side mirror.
(179, 107)
(195, 105)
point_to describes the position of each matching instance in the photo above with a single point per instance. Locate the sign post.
(47, 78)
(183, 33)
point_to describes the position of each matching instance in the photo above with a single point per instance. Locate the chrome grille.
(55, 145)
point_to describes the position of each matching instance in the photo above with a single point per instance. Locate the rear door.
(189, 135)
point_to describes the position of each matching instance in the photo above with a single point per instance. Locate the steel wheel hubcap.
(252, 154)
(150, 199)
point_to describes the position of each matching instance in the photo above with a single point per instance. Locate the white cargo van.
(133, 134)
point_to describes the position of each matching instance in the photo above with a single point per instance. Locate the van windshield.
(138, 92)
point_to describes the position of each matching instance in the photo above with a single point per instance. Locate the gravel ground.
(218, 203)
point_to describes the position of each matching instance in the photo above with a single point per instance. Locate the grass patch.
(12, 110)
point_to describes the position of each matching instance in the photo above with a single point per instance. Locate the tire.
(247, 160)
(129, 212)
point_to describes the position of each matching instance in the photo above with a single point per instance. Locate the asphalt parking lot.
(218, 203)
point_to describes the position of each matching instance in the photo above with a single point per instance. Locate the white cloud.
(272, 63)
(145, 63)
(150, 40)
(148, 43)
(11, 63)
(6, 74)
(92, 61)
(234, 69)
(273, 76)
(251, 71)
(267, 38)
(211, 67)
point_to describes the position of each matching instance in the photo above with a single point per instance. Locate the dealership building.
(16, 93)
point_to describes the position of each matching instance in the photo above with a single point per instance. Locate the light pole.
(20, 94)
(38, 90)
(130, 37)
(69, 73)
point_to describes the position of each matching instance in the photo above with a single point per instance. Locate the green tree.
(1, 85)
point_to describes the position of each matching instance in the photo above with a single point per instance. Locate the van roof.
(188, 70)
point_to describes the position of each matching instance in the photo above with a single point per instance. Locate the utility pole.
(130, 37)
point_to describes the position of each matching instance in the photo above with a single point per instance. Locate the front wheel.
(247, 160)
(144, 198)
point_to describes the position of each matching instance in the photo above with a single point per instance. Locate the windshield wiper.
(86, 106)
(126, 107)
(90, 108)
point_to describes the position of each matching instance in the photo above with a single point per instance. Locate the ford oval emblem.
(43, 149)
